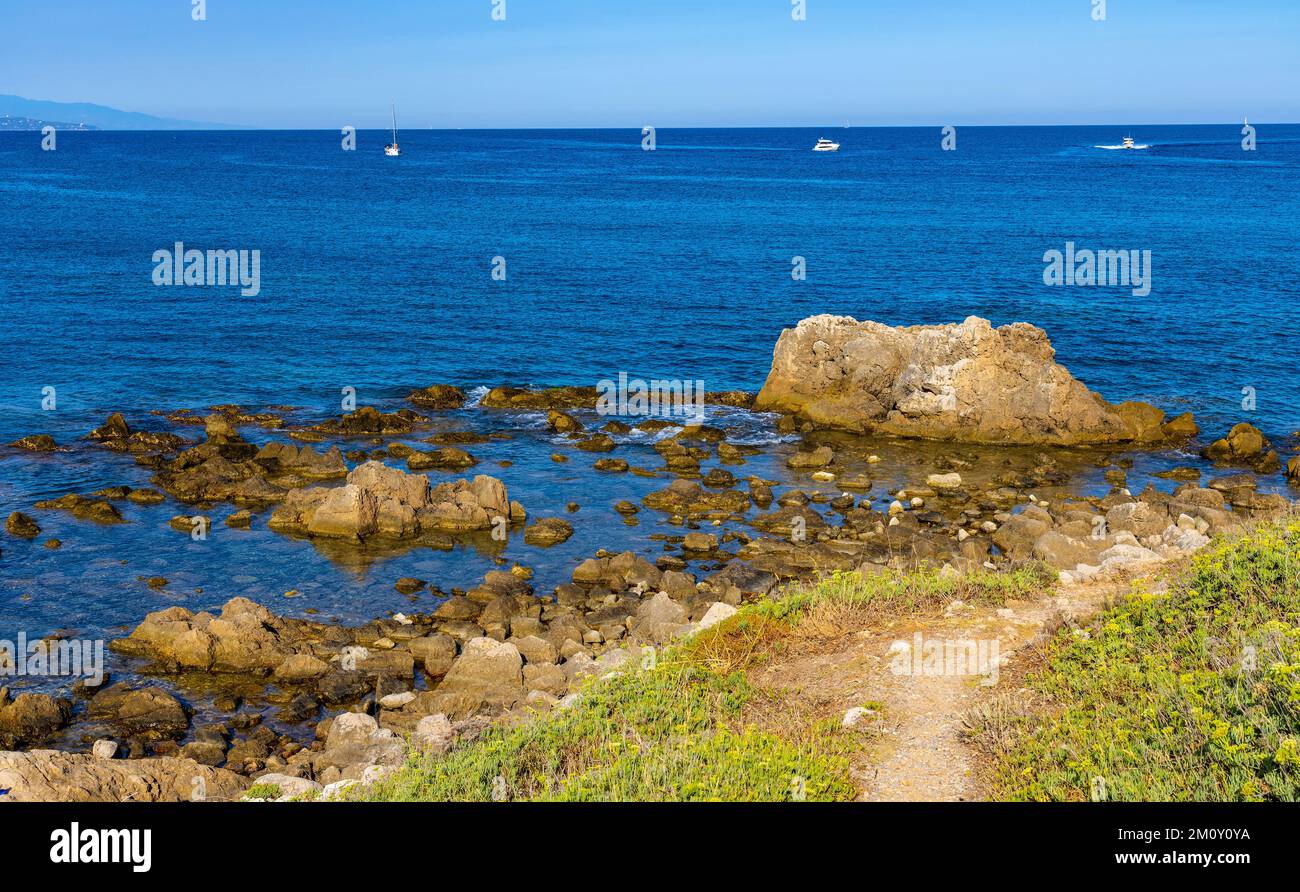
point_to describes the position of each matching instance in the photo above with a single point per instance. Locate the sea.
(540, 257)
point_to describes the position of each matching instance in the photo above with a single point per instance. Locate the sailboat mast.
(394, 123)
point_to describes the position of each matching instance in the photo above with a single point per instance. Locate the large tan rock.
(244, 637)
(488, 675)
(50, 776)
(389, 503)
(969, 382)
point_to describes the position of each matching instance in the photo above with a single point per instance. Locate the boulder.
(49, 776)
(148, 712)
(35, 443)
(488, 675)
(717, 612)
(660, 619)
(563, 422)
(969, 382)
(245, 637)
(355, 742)
(1244, 445)
(448, 458)
(548, 531)
(699, 542)
(84, 508)
(814, 458)
(1066, 552)
(548, 398)
(387, 503)
(20, 525)
(438, 397)
(951, 480)
(434, 734)
(30, 718)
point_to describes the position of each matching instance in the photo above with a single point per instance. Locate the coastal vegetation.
(1186, 693)
(674, 728)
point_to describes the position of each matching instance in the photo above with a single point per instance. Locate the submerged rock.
(364, 422)
(20, 525)
(438, 397)
(548, 531)
(968, 382)
(547, 398)
(35, 443)
(84, 508)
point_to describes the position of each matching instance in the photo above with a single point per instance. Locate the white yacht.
(1127, 144)
(826, 145)
(392, 150)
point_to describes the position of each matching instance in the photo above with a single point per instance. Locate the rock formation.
(49, 776)
(388, 503)
(969, 382)
(1245, 445)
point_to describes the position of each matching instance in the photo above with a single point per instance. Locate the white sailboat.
(392, 150)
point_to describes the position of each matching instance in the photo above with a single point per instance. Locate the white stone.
(943, 481)
(104, 749)
(856, 715)
(718, 612)
(397, 701)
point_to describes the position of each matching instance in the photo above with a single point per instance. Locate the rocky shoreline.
(999, 429)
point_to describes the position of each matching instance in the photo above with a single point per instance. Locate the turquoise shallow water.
(376, 274)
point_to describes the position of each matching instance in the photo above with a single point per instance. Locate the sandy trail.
(918, 754)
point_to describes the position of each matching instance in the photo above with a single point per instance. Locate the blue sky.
(627, 63)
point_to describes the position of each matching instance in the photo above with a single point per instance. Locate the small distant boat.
(392, 150)
(826, 145)
(1127, 144)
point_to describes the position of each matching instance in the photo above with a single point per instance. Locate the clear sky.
(628, 63)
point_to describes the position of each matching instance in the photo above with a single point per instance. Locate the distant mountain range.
(19, 113)
(12, 122)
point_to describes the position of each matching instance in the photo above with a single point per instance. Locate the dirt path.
(918, 753)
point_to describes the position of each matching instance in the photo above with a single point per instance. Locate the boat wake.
(1121, 147)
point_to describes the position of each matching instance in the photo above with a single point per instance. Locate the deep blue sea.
(376, 273)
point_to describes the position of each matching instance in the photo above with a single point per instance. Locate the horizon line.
(639, 128)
